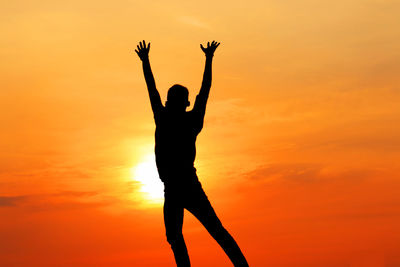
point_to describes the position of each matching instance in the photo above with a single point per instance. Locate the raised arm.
(201, 100)
(143, 52)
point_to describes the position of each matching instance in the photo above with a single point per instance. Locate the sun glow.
(146, 174)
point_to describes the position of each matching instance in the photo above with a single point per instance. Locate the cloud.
(60, 201)
(311, 173)
(11, 201)
(295, 172)
(192, 21)
(76, 193)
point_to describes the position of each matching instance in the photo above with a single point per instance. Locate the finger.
(213, 42)
(148, 47)
(217, 45)
(144, 44)
(140, 45)
(202, 47)
(208, 44)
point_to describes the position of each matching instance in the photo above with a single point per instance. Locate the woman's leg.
(201, 208)
(173, 220)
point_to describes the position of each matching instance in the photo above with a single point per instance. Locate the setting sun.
(150, 184)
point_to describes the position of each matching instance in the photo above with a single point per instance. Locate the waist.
(185, 187)
(176, 170)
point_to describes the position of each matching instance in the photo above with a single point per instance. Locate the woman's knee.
(174, 238)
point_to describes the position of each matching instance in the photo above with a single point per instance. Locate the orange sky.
(299, 152)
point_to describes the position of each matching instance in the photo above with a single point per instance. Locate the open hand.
(142, 50)
(210, 49)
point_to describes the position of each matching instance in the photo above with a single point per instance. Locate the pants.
(195, 200)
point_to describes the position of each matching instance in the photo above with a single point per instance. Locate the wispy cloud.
(193, 21)
(294, 172)
(59, 200)
(11, 201)
(310, 173)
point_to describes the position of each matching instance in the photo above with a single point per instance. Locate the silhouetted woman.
(175, 149)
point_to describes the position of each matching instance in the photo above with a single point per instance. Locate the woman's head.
(177, 98)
